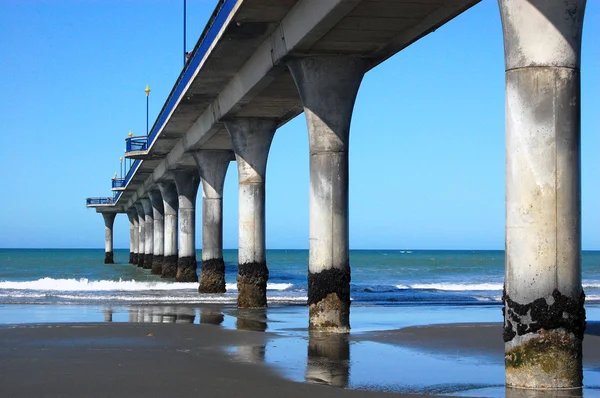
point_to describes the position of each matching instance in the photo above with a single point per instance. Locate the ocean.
(379, 278)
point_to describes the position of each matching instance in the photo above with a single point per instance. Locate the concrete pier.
(251, 139)
(328, 86)
(141, 233)
(158, 232)
(544, 316)
(187, 182)
(109, 220)
(168, 192)
(212, 167)
(133, 234)
(148, 232)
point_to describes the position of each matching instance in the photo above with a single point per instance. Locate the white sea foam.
(76, 285)
(452, 286)
(270, 286)
(83, 284)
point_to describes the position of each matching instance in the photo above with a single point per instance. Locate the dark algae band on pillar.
(549, 332)
(109, 258)
(140, 262)
(252, 285)
(186, 270)
(147, 261)
(169, 266)
(564, 312)
(212, 276)
(157, 264)
(329, 290)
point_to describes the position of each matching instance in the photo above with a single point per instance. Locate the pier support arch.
(544, 317)
(251, 139)
(168, 192)
(187, 181)
(212, 167)
(328, 86)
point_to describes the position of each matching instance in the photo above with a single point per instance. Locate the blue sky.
(426, 148)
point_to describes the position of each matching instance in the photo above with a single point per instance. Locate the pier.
(259, 63)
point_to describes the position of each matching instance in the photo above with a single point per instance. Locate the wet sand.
(141, 360)
(473, 339)
(224, 352)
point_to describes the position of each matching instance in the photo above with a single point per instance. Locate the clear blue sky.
(427, 138)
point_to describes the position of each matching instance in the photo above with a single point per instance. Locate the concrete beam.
(187, 182)
(109, 220)
(141, 233)
(133, 234)
(251, 139)
(148, 232)
(159, 231)
(212, 167)
(168, 191)
(544, 315)
(328, 86)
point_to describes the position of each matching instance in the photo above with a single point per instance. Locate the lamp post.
(121, 165)
(129, 135)
(185, 54)
(147, 91)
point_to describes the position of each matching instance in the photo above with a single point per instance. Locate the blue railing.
(99, 201)
(118, 183)
(135, 144)
(214, 25)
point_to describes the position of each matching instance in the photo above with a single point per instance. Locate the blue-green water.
(379, 277)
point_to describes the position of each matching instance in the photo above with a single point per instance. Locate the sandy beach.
(222, 352)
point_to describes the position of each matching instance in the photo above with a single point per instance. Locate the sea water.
(379, 277)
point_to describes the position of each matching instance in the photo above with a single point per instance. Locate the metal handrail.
(215, 23)
(142, 143)
(135, 144)
(118, 183)
(99, 201)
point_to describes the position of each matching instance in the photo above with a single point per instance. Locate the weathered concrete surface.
(168, 191)
(141, 233)
(212, 167)
(543, 298)
(109, 220)
(187, 182)
(159, 231)
(328, 86)
(148, 232)
(251, 140)
(133, 234)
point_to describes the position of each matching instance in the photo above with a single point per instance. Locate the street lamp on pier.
(147, 91)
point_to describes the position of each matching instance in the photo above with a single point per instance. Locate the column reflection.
(328, 359)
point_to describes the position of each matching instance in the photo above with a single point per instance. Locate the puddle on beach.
(339, 360)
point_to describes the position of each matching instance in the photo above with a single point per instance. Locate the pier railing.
(118, 183)
(99, 201)
(136, 144)
(214, 25)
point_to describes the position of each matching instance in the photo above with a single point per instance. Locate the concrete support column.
(328, 86)
(159, 231)
(187, 182)
(544, 317)
(168, 192)
(251, 139)
(212, 167)
(141, 233)
(109, 220)
(148, 232)
(133, 235)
